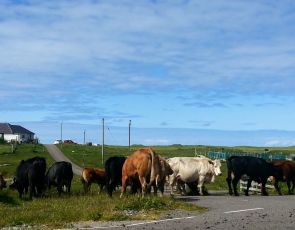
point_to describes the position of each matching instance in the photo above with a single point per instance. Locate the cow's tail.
(229, 168)
(155, 169)
(82, 178)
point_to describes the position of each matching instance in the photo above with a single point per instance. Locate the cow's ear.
(211, 162)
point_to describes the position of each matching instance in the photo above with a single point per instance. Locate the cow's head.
(275, 171)
(217, 167)
(15, 185)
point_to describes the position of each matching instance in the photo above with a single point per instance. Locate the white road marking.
(129, 225)
(245, 210)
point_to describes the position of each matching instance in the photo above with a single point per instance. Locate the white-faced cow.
(256, 169)
(59, 174)
(194, 169)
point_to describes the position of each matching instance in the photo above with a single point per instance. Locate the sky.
(184, 72)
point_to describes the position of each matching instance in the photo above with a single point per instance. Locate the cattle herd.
(145, 169)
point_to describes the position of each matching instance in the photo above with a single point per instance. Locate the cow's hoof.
(236, 194)
(247, 194)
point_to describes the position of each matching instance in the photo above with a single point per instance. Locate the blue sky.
(180, 70)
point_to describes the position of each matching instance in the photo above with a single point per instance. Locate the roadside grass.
(53, 211)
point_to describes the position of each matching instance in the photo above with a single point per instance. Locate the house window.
(23, 136)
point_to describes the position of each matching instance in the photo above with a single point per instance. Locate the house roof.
(7, 128)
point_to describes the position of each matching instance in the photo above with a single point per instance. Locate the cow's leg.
(31, 190)
(292, 189)
(87, 186)
(248, 186)
(201, 185)
(124, 180)
(143, 184)
(182, 188)
(59, 188)
(263, 191)
(228, 180)
(289, 186)
(101, 187)
(276, 184)
(235, 183)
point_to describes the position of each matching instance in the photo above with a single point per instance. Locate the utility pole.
(102, 156)
(61, 134)
(84, 137)
(129, 134)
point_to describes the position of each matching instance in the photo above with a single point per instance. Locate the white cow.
(193, 169)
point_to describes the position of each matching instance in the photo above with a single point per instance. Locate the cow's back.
(189, 169)
(288, 168)
(91, 175)
(113, 168)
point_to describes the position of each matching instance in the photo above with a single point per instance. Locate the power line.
(111, 134)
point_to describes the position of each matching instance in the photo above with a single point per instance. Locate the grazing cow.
(91, 175)
(193, 169)
(113, 171)
(2, 182)
(58, 175)
(141, 166)
(30, 173)
(288, 168)
(256, 169)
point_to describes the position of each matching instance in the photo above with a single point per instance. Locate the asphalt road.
(59, 156)
(225, 212)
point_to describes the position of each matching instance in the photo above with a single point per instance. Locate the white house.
(15, 133)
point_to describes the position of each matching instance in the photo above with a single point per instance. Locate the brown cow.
(2, 182)
(92, 175)
(165, 170)
(140, 167)
(288, 175)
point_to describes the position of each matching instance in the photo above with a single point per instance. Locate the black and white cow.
(59, 174)
(256, 169)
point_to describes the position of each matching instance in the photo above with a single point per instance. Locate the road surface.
(59, 156)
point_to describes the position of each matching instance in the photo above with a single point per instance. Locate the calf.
(2, 182)
(288, 168)
(113, 172)
(256, 169)
(59, 174)
(91, 175)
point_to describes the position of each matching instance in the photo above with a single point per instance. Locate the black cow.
(256, 169)
(30, 173)
(58, 175)
(113, 171)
